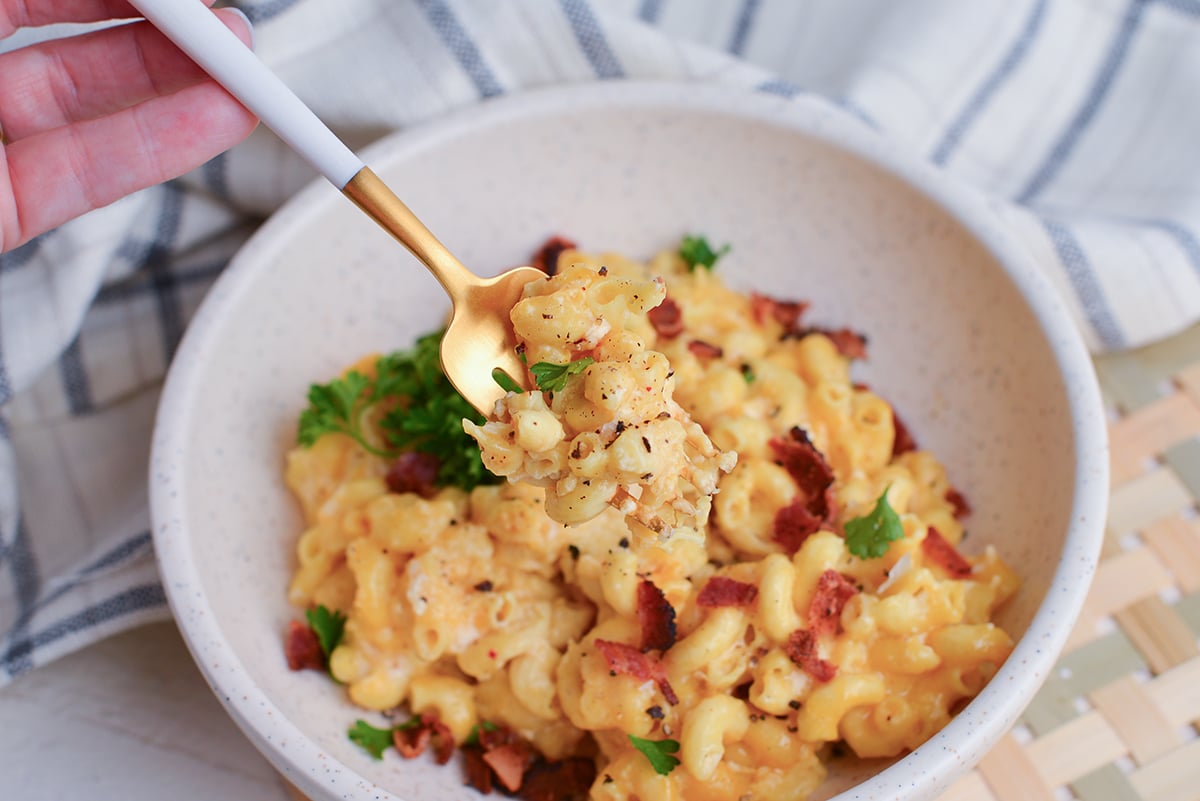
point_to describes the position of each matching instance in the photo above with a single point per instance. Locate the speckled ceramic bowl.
(967, 340)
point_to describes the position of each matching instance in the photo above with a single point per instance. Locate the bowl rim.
(921, 773)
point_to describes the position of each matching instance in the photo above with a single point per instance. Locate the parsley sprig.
(329, 626)
(867, 537)
(374, 741)
(553, 377)
(427, 414)
(696, 252)
(658, 752)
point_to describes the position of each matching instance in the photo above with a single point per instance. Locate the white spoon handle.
(194, 28)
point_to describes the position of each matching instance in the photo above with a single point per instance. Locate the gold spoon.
(479, 339)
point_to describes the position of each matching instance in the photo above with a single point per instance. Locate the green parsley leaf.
(658, 752)
(553, 377)
(506, 383)
(748, 374)
(696, 251)
(473, 735)
(335, 406)
(328, 625)
(868, 537)
(374, 741)
(427, 417)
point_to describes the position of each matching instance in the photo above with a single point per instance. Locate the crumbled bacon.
(904, 442)
(414, 472)
(509, 763)
(546, 258)
(411, 742)
(825, 610)
(302, 648)
(656, 617)
(959, 502)
(801, 648)
(443, 739)
(412, 739)
(629, 661)
(567, 780)
(944, 555)
(704, 350)
(803, 461)
(850, 344)
(722, 591)
(478, 774)
(785, 312)
(667, 319)
(794, 524)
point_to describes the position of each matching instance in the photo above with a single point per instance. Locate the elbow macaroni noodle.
(487, 606)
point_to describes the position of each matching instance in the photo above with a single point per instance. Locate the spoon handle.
(194, 28)
(191, 26)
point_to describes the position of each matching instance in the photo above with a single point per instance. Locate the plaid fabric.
(1075, 116)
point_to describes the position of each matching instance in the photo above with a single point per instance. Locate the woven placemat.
(1119, 719)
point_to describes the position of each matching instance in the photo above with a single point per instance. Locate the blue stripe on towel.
(23, 567)
(742, 26)
(1187, 241)
(448, 26)
(19, 257)
(1117, 52)
(75, 381)
(591, 39)
(162, 279)
(260, 12)
(1086, 285)
(650, 10)
(990, 87)
(778, 86)
(127, 551)
(17, 659)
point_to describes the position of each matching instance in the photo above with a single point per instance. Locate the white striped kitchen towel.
(1079, 117)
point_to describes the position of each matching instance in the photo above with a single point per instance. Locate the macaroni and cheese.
(722, 662)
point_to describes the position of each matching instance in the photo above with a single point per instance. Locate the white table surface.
(127, 719)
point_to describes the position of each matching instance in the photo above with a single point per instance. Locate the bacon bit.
(794, 524)
(667, 319)
(626, 660)
(825, 610)
(414, 472)
(302, 648)
(567, 780)
(944, 555)
(850, 344)
(904, 442)
(509, 763)
(785, 312)
(411, 743)
(443, 741)
(546, 258)
(959, 502)
(803, 461)
(801, 648)
(478, 774)
(722, 591)
(494, 738)
(704, 350)
(656, 617)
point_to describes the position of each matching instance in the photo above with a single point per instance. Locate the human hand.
(89, 119)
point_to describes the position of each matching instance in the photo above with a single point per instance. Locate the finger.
(59, 82)
(33, 13)
(64, 172)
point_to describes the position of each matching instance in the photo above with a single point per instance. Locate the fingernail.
(245, 19)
